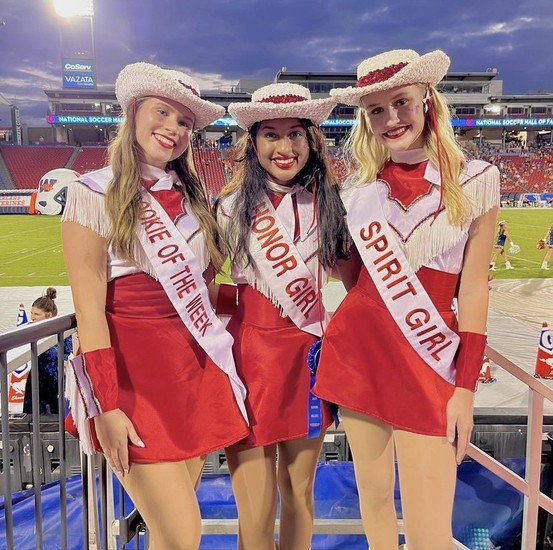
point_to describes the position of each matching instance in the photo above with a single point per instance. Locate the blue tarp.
(488, 513)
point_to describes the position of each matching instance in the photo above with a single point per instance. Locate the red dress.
(271, 359)
(366, 363)
(180, 403)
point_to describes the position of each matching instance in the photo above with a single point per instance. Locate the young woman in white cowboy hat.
(156, 382)
(422, 220)
(283, 223)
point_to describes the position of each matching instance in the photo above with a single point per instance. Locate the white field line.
(40, 251)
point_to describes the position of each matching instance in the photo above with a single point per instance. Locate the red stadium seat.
(27, 164)
(89, 159)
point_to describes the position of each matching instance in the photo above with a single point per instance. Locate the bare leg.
(427, 473)
(195, 467)
(297, 462)
(254, 482)
(373, 458)
(164, 495)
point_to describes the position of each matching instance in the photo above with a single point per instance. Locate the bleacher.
(89, 159)
(531, 172)
(28, 163)
(209, 166)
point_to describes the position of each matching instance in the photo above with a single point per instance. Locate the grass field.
(31, 255)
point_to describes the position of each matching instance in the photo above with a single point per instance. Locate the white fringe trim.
(78, 410)
(87, 208)
(434, 239)
(250, 273)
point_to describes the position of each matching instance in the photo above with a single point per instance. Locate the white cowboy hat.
(144, 79)
(283, 100)
(391, 69)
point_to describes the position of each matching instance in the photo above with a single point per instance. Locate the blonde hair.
(369, 155)
(123, 197)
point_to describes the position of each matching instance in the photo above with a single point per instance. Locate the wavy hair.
(248, 182)
(123, 197)
(369, 155)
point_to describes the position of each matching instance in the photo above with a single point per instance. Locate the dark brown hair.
(46, 303)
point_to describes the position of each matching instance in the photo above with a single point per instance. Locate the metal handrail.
(529, 486)
(57, 327)
(50, 329)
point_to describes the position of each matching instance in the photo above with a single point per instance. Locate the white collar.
(164, 180)
(415, 156)
(277, 188)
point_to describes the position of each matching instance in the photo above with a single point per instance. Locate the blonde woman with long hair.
(395, 359)
(155, 388)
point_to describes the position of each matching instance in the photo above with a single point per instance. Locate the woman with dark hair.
(155, 388)
(45, 308)
(283, 224)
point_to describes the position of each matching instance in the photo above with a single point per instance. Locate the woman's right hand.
(114, 430)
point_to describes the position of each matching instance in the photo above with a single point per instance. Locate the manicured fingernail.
(141, 443)
(126, 470)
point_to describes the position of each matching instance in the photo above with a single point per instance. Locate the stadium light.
(72, 8)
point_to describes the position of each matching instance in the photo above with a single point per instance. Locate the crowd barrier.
(110, 521)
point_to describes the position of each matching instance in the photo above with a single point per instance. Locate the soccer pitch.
(31, 254)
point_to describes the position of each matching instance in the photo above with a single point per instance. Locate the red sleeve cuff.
(101, 368)
(468, 361)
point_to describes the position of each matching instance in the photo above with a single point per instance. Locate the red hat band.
(188, 87)
(380, 75)
(288, 98)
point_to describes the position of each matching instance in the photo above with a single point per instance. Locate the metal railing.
(103, 528)
(529, 486)
(40, 337)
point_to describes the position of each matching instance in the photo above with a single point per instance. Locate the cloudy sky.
(220, 42)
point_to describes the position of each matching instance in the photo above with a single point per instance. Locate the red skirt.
(368, 365)
(180, 403)
(271, 359)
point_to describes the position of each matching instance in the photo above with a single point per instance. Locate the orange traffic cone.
(544, 360)
(486, 373)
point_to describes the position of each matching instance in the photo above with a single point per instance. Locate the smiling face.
(163, 130)
(282, 148)
(396, 116)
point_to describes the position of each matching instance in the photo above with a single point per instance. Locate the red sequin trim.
(288, 98)
(380, 75)
(188, 87)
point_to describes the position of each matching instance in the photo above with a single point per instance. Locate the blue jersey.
(501, 238)
(549, 238)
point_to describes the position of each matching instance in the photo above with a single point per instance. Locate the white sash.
(180, 274)
(402, 292)
(282, 266)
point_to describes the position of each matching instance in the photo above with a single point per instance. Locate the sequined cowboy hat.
(391, 69)
(283, 100)
(144, 79)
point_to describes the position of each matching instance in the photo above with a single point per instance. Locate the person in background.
(499, 246)
(45, 308)
(548, 245)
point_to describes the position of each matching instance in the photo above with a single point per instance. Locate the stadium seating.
(27, 164)
(528, 172)
(209, 166)
(90, 158)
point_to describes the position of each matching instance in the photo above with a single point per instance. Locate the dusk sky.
(219, 42)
